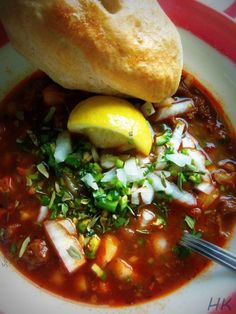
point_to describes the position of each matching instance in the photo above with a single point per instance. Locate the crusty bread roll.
(108, 46)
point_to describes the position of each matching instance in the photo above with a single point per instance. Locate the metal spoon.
(209, 250)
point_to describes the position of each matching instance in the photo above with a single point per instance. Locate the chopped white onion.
(205, 187)
(156, 182)
(177, 135)
(132, 170)
(179, 159)
(68, 225)
(109, 176)
(147, 109)
(90, 181)
(146, 217)
(147, 193)
(135, 198)
(121, 175)
(94, 154)
(163, 172)
(198, 158)
(143, 172)
(160, 162)
(66, 245)
(135, 195)
(151, 130)
(107, 161)
(63, 146)
(43, 211)
(167, 102)
(188, 141)
(142, 161)
(226, 161)
(207, 177)
(183, 197)
(175, 109)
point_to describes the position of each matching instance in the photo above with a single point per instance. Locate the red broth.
(155, 264)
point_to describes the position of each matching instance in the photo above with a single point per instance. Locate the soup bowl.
(209, 43)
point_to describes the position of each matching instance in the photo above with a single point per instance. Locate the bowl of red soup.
(94, 230)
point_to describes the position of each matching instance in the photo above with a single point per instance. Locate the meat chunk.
(203, 108)
(225, 178)
(37, 253)
(227, 205)
(228, 165)
(184, 90)
(11, 231)
(6, 184)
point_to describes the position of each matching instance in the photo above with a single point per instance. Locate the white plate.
(218, 73)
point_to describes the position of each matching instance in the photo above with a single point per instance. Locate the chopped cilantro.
(159, 221)
(54, 213)
(119, 163)
(28, 181)
(163, 179)
(181, 251)
(121, 221)
(50, 114)
(45, 199)
(99, 272)
(66, 196)
(13, 248)
(74, 253)
(105, 203)
(64, 209)
(52, 199)
(92, 246)
(197, 234)
(190, 222)
(143, 231)
(163, 138)
(24, 246)
(208, 162)
(82, 225)
(195, 178)
(180, 180)
(123, 202)
(43, 170)
(184, 151)
(48, 150)
(169, 149)
(74, 160)
(163, 196)
(33, 137)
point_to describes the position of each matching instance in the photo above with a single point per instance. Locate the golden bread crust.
(130, 47)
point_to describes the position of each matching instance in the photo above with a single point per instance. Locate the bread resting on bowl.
(109, 47)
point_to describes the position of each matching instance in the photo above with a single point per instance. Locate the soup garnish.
(102, 225)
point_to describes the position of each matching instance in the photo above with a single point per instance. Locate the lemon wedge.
(111, 122)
